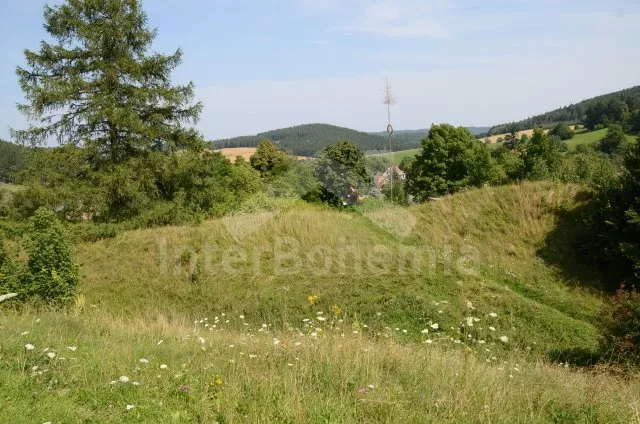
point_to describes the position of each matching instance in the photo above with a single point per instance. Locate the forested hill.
(310, 139)
(12, 160)
(613, 104)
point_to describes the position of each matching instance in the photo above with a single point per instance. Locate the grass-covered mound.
(455, 262)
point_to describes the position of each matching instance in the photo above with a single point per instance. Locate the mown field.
(458, 310)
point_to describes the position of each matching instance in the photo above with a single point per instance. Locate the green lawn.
(398, 156)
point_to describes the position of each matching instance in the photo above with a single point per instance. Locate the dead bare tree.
(389, 100)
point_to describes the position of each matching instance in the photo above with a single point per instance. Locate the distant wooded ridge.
(309, 139)
(600, 110)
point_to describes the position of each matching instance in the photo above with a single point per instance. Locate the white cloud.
(400, 18)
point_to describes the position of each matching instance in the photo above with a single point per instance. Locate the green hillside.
(628, 98)
(586, 138)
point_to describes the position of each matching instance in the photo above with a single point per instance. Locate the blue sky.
(260, 65)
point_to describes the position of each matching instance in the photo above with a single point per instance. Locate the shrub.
(269, 160)
(340, 167)
(450, 160)
(49, 273)
(562, 131)
(395, 193)
(613, 141)
(622, 326)
(541, 155)
(614, 221)
(592, 168)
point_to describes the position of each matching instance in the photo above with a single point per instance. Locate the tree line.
(13, 159)
(309, 139)
(621, 107)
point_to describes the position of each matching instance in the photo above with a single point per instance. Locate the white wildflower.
(493, 315)
(72, 348)
(51, 355)
(129, 407)
(144, 361)
(201, 340)
(425, 331)
(29, 346)
(163, 366)
(124, 379)
(435, 326)
(492, 328)
(504, 339)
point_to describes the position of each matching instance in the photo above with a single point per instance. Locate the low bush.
(49, 274)
(621, 341)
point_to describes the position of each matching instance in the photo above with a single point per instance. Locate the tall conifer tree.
(100, 87)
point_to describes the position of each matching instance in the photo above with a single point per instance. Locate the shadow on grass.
(577, 356)
(570, 249)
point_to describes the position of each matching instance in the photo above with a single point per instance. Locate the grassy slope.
(582, 137)
(478, 246)
(138, 290)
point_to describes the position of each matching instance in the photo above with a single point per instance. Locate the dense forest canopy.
(603, 110)
(12, 160)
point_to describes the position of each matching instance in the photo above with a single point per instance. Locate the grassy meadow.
(455, 311)
(399, 155)
(90, 366)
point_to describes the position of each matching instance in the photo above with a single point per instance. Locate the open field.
(232, 152)
(582, 137)
(494, 138)
(399, 155)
